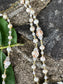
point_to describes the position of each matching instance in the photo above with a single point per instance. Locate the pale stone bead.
(26, 1)
(45, 83)
(32, 28)
(4, 16)
(8, 49)
(8, 20)
(42, 0)
(9, 25)
(34, 17)
(60, 82)
(3, 82)
(30, 20)
(44, 65)
(33, 67)
(33, 34)
(45, 71)
(35, 40)
(1, 14)
(42, 52)
(9, 42)
(36, 21)
(45, 77)
(42, 58)
(32, 12)
(42, 47)
(33, 72)
(3, 76)
(9, 37)
(28, 10)
(22, 1)
(10, 32)
(7, 64)
(36, 79)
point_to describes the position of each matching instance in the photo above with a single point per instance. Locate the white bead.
(10, 32)
(34, 16)
(9, 25)
(22, 1)
(33, 72)
(8, 20)
(36, 79)
(4, 16)
(7, 64)
(33, 67)
(42, 53)
(42, 0)
(9, 42)
(36, 21)
(59, 82)
(35, 40)
(33, 34)
(45, 83)
(30, 20)
(45, 71)
(32, 28)
(45, 77)
(3, 82)
(32, 11)
(42, 47)
(0, 14)
(3, 76)
(42, 58)
(26, 1)
(9, 37)
(8, 49)
(44, 65)
(28, 10)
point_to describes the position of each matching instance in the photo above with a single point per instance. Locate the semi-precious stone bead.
(45, 71)
(33, 67)
(36, 79)
(42, 58)
(3, 76)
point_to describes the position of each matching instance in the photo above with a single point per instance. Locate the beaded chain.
(7, 60)
(39, 34)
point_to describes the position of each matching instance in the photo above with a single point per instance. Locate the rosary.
(36, 36)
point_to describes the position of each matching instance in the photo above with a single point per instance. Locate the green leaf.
(4, 33)
(10, 74)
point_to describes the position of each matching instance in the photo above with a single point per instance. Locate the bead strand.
(35, 52)
(7, 60)
(39, 34)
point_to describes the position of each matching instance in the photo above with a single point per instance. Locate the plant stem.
(11, 46)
